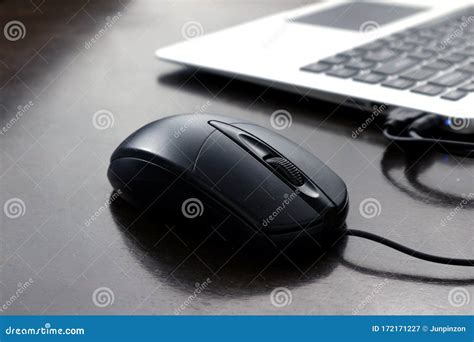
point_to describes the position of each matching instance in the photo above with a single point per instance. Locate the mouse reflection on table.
(185, 253)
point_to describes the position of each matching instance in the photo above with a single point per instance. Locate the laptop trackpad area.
(353, 16)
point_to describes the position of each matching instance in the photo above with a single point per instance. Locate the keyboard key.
(468, 50)
(467, 87)
(451, 79)
(338, 59)
(454, 58)
(457, 41)
(381, 55)
(352, 53)
(402, 46)
(399, 83)
(396, 66)
(423, 54)
(419, 40)
(428, 33)
(429, 89)
(397, 36)
(420, 74)
(373, 45)
(355, 64)
(439, 65)
(342, 72)
(468, 68)
(437, 49)
(317, 67)
(370, 78)
(454, 95)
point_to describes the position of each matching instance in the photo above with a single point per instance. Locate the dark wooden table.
(54, 157)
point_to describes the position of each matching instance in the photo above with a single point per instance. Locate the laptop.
(413, 54)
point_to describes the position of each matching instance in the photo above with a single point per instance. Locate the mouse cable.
(416, 128)
(409, 251)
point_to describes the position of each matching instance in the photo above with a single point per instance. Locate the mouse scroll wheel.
(286, 169)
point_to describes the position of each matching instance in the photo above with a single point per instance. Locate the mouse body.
(201, 165)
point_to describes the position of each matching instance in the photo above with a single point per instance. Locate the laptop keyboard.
(434, 59)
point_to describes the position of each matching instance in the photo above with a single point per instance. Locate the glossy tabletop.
(79, 76)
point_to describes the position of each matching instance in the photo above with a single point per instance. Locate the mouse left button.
(173, 141)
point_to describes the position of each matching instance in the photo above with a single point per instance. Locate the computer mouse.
(229, 170)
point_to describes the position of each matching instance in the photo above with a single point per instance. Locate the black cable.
(415, 128)
(404, 125)
(414, 138)
(409, 251)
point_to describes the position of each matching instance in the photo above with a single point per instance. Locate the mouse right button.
(247, 187)
(319, 173)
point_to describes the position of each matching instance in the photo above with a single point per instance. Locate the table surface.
(53, 164)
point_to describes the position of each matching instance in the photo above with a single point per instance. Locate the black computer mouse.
(194, 164)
